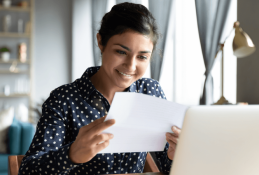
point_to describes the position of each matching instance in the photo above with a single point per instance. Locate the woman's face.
(125, 58)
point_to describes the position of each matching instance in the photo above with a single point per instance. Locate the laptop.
(218, 140)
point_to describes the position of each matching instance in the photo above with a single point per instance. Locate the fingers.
(171, 137)
(171, 143)
(176, 130)
(93, 124)
(101, 146)
(102, 126)
(102, 138)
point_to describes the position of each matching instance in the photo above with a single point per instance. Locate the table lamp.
(242, 47)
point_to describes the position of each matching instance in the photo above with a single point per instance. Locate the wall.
(82, 48)
(248, 67)
(52, 46)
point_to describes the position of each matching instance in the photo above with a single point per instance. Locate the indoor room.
(57, 83)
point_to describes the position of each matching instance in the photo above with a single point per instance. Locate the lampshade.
(242, 43)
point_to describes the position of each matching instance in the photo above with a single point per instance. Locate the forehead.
(133, 40)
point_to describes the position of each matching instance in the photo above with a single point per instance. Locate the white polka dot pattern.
(70, 107)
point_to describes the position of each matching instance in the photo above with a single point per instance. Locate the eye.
(121, 52)
(143, 57)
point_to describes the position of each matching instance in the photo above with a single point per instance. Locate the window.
(183, 60)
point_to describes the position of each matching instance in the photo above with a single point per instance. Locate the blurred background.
(45, 44)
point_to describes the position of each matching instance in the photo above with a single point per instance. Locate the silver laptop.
(218, 140)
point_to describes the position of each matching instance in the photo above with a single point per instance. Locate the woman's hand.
(172, 139)
(90, 141)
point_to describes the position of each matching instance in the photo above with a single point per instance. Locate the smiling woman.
(69, 133)
(127, 38)
(124, 60)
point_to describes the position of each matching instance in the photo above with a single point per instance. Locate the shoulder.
(65, 89)
(60, 98)
(147, 82)
(149, 86)
(63, 94)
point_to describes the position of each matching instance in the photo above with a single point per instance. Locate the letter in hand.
(172, 139)
(90, 140)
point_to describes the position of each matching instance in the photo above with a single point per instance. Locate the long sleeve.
(69, 108)
(48, 152)
(164, 162)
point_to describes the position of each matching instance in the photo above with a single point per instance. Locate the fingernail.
(111, 135)
(173, 128)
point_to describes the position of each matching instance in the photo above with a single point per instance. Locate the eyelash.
(124, 53)
(143, 58)
(121, 52)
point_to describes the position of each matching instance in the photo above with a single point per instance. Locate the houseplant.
(5, 53)
(7, 3)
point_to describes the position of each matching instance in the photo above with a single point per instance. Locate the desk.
(145, 174)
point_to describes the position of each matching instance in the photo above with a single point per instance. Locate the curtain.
(211, 17)
(161, 12)
(82, 44)
(99, 8)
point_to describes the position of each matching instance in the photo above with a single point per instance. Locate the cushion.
(6, 119)
(28, 131)
(14, 137)
(3, 173)
(4, 163)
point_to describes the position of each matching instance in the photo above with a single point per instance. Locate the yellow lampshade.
(242, 43)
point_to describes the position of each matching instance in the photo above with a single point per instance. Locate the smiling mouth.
(124, 74)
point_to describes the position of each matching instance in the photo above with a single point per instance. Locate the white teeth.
(124, 74)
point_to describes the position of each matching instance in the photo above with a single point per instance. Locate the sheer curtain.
(183, 67)
(82, 45)
(182, 75)
(160, 11)
(99, 8)
(230, 61)
(211, 17)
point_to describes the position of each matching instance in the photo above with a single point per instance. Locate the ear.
(99, 41)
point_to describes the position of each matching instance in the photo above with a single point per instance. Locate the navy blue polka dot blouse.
(67, 109)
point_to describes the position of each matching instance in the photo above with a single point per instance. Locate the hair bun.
(126, 16)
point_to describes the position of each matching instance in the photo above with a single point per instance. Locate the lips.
(127, 75)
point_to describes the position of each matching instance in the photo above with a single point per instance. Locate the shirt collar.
(86, 87)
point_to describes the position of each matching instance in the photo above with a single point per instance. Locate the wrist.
(71, 155)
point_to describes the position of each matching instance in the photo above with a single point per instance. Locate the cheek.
(143, 67)
(109, 60)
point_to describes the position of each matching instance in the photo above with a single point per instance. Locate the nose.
(130, 63)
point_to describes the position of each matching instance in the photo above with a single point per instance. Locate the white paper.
(141, 122)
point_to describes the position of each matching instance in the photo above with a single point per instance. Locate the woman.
(68, 136)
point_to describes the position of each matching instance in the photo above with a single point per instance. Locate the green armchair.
(20, 135)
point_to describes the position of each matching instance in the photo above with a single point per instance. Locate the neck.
(105, 85)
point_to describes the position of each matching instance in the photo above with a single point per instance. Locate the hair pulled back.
(128, 16)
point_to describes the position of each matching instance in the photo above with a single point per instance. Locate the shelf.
(14, 35)
(14, 95)
(18, 72)
(22, 70)
(16, 9)
(12, 60)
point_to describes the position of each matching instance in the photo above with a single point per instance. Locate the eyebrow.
(124, 47)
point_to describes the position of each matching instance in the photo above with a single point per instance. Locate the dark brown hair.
(128, 16)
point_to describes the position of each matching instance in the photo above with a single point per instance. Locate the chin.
(124, 86)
